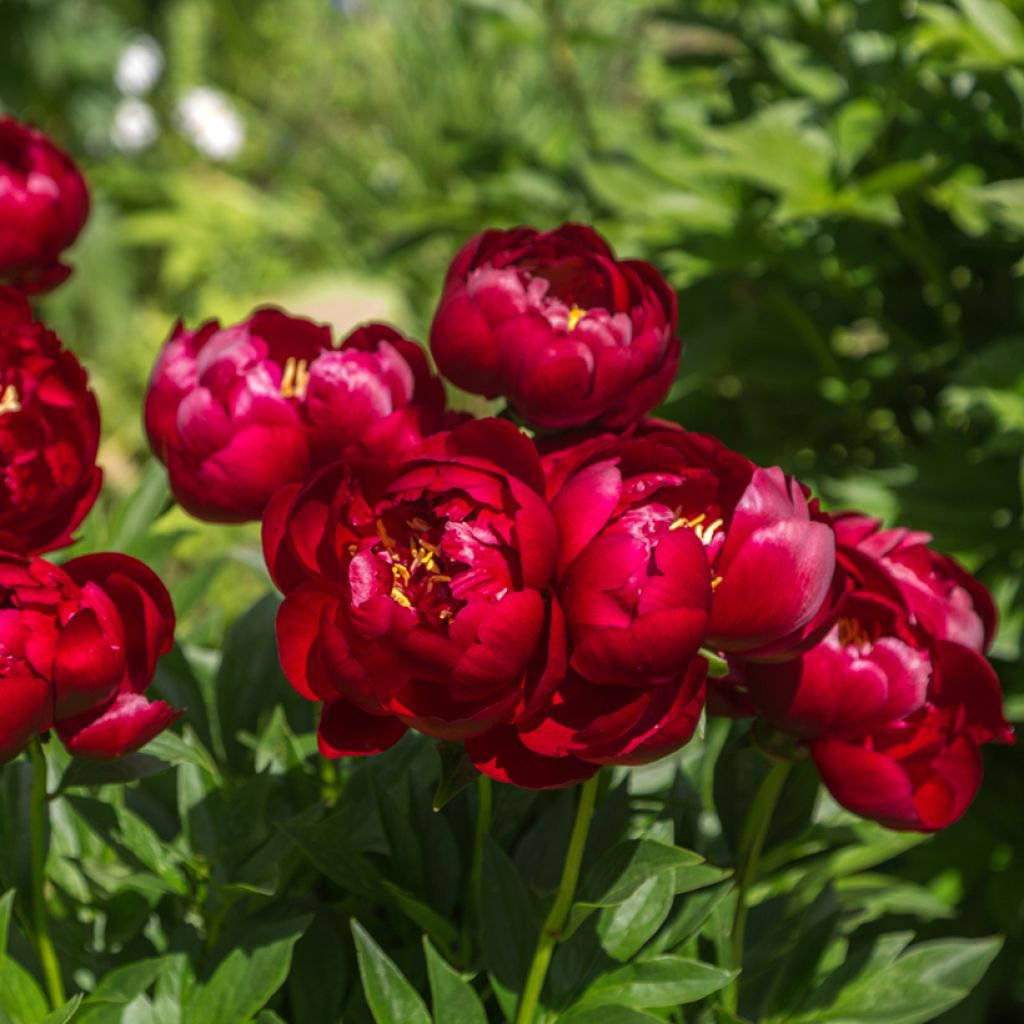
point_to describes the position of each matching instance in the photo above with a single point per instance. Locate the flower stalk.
(555, 922)
(38, 812)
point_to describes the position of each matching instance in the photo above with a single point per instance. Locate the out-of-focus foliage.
(835, 186)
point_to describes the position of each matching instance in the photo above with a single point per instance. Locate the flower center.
(295, 379)
(852, 633)
(575, 316)
(10, 401)
(705, 531)
(416, 577)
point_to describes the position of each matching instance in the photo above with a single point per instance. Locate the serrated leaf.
(392, 1000)
(452, 997)
(248, 977)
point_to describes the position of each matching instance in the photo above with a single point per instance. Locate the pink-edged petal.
(128, 724)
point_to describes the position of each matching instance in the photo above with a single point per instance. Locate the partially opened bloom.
(556, 324)
(774, 580)
(893, 713)
(237, 412)
(418, 594)
(80, 644)
(44, 203)
(49, 432)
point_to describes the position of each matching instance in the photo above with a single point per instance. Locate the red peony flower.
(79, 647)
(44, 204)
(940, 595)
(418, 595)
(237, 412)
(893, 713)
(774, 579)
(558, 326)
(49, 432)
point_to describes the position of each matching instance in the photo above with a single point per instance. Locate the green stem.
(748, 860)
(484, 813)
(38, 812)
(555, 922)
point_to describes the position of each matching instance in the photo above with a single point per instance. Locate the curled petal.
(126, 725)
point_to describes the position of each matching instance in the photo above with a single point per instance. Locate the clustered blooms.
(547, 599)
(79, 642)
(547, 596)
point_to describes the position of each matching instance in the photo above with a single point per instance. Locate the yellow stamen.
(707, 533)
(716, 582)
(295, 378)
(575, 316)
(399, 598)
(9, 401)
(688, 523)
(440, 578)
(417, 524)
(385, 537)
(852, 632)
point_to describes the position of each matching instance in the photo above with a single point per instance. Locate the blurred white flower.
(211, 123)
(134, 126)
(139, 66)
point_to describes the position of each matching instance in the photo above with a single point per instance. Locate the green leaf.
(509, 923)
(660, 981)
(6, 910)
(626, 928)
(129, 768)
(457, 772)
(21, 998)
(922, 983)
(122, 986)
(63, 1013)
(608, 1015)
(391, 998)
(452, 997)
(248, 977)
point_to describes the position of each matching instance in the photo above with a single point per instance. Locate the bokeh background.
(836, 188)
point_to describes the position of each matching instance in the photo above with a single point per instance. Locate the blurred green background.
(834, 186)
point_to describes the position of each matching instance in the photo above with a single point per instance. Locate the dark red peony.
(44, 204)
(419, 595)
(893, 712)
(49, 432)
(554, 323)
(237, 412)
(774, 579)
(78, 647)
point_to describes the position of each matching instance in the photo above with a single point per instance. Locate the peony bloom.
(80, 647)
(237, 412)
(49, 432)
(774, 580)
(558, 326)
(44, 203)
(419, 594)
(941, 596)
(892, 711)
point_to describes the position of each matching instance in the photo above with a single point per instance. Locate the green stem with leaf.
(38, 812)
(748, 860)
(554, 924)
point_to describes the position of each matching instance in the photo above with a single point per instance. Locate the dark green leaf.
(452, 997)
(391, 998)
(129, 768)
(660, 981)
(509, 923)
(249, 975)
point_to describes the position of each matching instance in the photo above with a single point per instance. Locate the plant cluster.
(545, 594)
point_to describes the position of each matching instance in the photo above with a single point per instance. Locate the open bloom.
(893, 713)
(558, 326)
(79, 646)
(237, 412)
(44, 204)
(774, 579)
(418, 595)
(49, 432)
